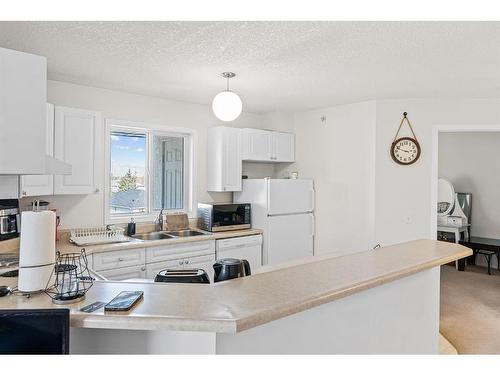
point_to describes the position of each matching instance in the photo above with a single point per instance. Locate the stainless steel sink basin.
(185, 233)
(152, 236)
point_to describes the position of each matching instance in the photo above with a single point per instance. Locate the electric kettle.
(230, 268)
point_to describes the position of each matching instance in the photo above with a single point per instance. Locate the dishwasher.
(248, 247)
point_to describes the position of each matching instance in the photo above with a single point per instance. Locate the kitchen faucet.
(159, 221)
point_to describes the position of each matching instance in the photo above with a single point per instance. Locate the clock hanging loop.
(405, 117)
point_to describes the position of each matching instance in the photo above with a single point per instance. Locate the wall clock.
(405, 150)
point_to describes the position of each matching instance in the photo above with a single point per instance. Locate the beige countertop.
(64, 246)
(67, 247)
(240, 304)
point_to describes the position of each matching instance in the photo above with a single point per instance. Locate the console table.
(488, 247)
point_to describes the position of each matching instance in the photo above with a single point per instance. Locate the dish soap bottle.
(131, 227)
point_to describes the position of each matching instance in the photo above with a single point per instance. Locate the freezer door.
(288, 196)
(289, 237)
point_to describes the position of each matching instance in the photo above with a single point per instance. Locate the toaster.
(195, 276)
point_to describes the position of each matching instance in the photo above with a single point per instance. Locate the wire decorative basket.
(98, 235)
(70, 278)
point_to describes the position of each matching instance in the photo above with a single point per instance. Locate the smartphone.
(124, 301)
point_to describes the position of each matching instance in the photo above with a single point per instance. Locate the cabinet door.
(41, 184)
(118, 259)
(284, 147)
(176, 251)
(77, 132)
(224, 159)
(231, 160)
(257, 145)
(125, 273)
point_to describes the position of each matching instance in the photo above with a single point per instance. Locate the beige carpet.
(470, 310)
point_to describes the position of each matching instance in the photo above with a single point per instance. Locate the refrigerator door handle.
(313, 225)
(311, 192)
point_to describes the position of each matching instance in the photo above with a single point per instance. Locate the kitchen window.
(148, 169)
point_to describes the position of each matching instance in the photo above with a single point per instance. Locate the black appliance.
(9, 219)
(217, 217)
(230, 268)
(40, 331)
(195, 275)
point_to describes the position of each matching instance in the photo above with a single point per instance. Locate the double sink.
(152, 236)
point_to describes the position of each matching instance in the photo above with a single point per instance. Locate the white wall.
(339, 155)
(471, 161)
(403, 193)
(88, 210)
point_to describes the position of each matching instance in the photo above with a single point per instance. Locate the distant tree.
(127, 181)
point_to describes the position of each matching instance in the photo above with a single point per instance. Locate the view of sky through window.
(128, 165)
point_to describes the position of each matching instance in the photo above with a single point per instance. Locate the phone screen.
(124, 301)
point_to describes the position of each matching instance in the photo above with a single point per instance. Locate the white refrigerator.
(284, 210)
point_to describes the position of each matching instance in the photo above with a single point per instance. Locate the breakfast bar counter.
(340, 304)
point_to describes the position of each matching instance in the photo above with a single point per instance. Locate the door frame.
(436, 130)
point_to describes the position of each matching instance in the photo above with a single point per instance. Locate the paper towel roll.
(37, 253)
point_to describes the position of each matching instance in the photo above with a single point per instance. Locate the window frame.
(189, 165)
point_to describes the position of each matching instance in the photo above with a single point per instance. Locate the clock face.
(405, 150)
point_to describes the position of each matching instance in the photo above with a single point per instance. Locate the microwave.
(218, 217)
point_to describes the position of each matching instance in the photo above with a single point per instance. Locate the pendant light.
(227, 104)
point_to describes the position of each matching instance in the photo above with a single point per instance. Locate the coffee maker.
(9, 219)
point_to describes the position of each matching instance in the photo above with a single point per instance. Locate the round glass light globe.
(227, 106)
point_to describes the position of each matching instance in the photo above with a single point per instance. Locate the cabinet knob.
(143, 268)
(186, 261)
(24, 193)
(96, 190)
(120, 259)
(181, 262)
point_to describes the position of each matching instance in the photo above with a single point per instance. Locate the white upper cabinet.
(23, 90)
(267, 146)
(284, 147)
(257, 145)
(224, 159)
(41, 184)
(76, 134)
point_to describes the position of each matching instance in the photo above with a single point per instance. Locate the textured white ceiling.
(281, 66)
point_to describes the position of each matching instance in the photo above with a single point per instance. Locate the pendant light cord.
(227, 86)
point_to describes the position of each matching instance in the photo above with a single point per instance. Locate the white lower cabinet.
(111, 260)
(125, 273)
(146, 263)
(176, 251)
